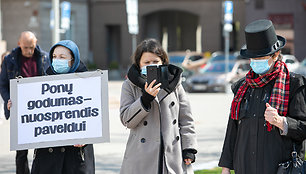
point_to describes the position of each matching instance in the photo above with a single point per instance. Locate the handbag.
(293, 166)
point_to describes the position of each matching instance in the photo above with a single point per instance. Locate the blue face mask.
(144, 70)
(260, 66)
(60, 65)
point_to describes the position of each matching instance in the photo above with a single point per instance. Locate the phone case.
(152, 74)
(160, 73)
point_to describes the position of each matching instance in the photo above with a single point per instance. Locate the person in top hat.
(268, 111)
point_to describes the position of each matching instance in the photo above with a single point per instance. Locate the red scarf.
(280, 93)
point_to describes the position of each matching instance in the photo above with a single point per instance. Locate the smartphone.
(158, 73)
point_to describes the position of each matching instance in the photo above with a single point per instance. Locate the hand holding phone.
(152, 90)
(159, 73)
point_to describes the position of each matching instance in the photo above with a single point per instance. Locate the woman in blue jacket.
(77, 159)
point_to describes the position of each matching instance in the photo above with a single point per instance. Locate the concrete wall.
(16, 18)
(293, 7)
(18, 14)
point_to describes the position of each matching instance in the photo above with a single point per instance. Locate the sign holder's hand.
(79, 145)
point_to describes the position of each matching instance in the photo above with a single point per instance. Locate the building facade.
(178, 24)
(100, 29)
(289, 19)
(34, 15)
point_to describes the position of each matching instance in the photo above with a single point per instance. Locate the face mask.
(60, 65)
(260, 66)
(144, 70)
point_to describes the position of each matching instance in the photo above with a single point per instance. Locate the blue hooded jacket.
(73, 48)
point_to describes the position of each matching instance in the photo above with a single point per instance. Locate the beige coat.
(143, 146)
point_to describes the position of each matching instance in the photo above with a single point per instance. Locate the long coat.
(169, 122)
(65, 159)
(249, 147)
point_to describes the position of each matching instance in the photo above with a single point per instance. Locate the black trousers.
(22, 165)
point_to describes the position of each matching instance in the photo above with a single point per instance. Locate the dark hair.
(152, 46)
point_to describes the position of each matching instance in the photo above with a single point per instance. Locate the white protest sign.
(59, 110)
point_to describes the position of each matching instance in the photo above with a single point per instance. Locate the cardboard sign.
(59, 110)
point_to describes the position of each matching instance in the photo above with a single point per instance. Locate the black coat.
(65, 159)
(248, 147)
(11, 68)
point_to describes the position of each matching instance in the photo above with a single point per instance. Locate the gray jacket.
(168, 121)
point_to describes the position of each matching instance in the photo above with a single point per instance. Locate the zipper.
(42, 65)
(82, 154)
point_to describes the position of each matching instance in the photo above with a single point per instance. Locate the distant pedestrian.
(162, 135)
(268, 112)
(3, 56)
(77, 159)
(27, 60)
(1, 100)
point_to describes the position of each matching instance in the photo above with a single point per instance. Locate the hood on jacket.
(73, 48)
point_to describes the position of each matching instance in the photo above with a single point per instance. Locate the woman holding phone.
(162, 135)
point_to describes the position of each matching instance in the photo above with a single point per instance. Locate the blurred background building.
(99, 27)
(177, 24)
(288, 17)
(34, 15)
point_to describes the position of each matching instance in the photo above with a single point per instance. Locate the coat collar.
(174, 76)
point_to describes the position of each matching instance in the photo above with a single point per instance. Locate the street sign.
(228, 7)
(227, 28)
(132, 16)
(65, 15)
(228, 16)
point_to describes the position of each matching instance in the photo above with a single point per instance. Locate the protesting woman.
(77, 159)
(162, 136)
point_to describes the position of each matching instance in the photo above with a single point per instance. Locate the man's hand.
(271, 115)
(9, 104)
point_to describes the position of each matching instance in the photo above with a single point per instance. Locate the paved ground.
(210, 113)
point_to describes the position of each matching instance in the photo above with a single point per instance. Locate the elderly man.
(27, 60)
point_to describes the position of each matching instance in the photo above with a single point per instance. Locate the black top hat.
(261, 39)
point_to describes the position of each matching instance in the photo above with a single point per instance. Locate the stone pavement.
(210, 112)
